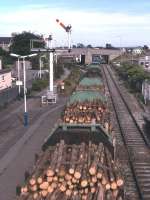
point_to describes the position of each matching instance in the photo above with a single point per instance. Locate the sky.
(95, 22)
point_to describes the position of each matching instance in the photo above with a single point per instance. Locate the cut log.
(63, 187)
(34, 188)
(84, 179)
(78, 171)
(61, 172)
(68, 192)
(73, 159)
(100, 195)
(94, 165)
(39, 180)
(32, 181)
(44, 193)
(44, 185)
(50, 189)
(35, 195)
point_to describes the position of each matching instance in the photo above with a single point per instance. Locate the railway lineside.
(133, 139)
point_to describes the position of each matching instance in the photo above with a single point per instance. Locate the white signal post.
(68, 30)
(51, 71)
(51, 96)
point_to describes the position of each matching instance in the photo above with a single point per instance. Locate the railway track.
(136, 145)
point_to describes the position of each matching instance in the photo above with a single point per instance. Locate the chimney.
(0, 64)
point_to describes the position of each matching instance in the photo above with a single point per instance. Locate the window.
(2, 77)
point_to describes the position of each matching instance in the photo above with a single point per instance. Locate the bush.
(133, 74)
(39, 84)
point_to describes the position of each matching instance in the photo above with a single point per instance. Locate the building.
(146, 91)
(5, 43)
(137, 51)
(5, 79)
(89, 55)
(145, 62)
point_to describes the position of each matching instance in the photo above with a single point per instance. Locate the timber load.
(74, 172)
(88, 112)
(94, 84)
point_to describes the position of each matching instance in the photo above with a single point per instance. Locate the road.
(18, 144)
(20, 155)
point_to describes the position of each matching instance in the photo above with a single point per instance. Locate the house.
(137, 51)
(5, 79)
(5, 43)
(145, 62)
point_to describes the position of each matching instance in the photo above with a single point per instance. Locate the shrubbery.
(39, 84)
(72, 80)
(134, 75)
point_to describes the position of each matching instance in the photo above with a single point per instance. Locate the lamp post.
(25, 89)
(18, 70)
(24, 85)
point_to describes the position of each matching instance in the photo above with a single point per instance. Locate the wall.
(146, 90)
(0, 64)
(5, 80)
(8, 95)
(88, 52)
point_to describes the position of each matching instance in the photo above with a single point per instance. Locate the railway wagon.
(88, 104)
(77, 159)
(87, 107)
(91, 83)
(77, 162)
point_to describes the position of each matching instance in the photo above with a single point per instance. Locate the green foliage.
(72, 80)
(6, 58)
(58, 69)
(21, 42)
(39, 84)
(133, 74)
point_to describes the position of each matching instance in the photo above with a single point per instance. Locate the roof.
(91, 81)
(5, 40)
(4, 71)
(80, 96)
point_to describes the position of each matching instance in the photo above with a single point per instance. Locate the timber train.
(77, 161)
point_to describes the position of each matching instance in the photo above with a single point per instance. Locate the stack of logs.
(87, 113)
(74, 172)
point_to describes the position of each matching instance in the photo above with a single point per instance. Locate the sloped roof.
(5, 40)
(4, 71)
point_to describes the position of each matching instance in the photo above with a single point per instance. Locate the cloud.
(88, 26)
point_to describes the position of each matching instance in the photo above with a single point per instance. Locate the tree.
(89, 46)
(21, 42)
(74, 46)
(6, 58)
(21, 45)
(80, 45)
(109, 46)
(145, 47)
